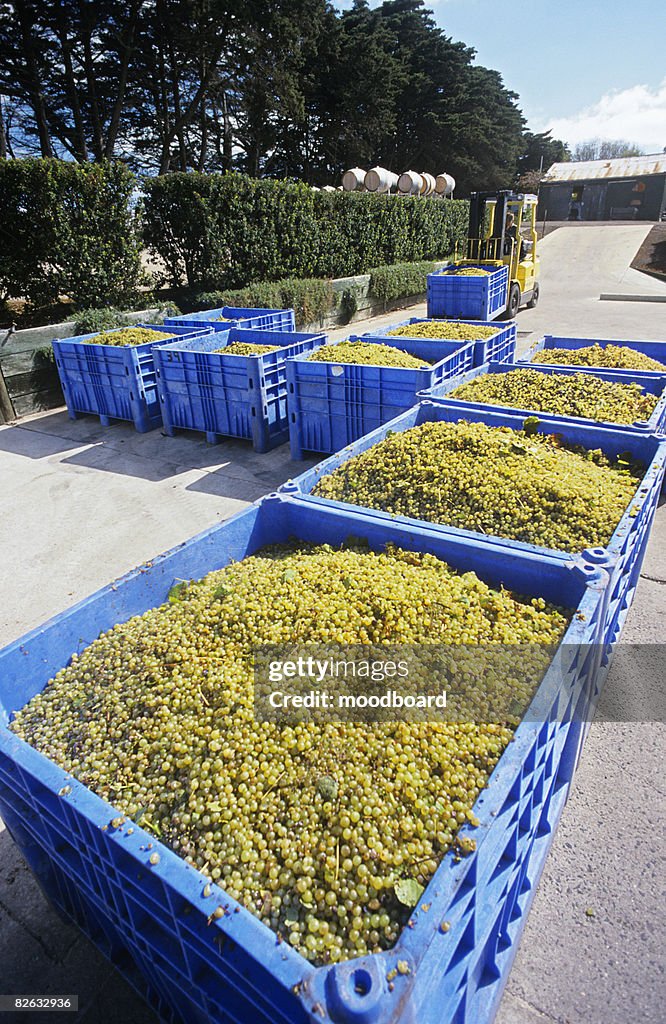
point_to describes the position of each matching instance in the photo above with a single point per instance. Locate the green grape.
(561, 394)
(308, 825)
(615, 356)
(525, 486)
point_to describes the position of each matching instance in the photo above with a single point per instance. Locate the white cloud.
(636, 115)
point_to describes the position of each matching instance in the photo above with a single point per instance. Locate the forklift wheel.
(535, 297)
(513, 305)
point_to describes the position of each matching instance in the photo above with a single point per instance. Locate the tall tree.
(605, 149)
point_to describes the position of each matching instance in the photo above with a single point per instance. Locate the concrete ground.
(83, 504)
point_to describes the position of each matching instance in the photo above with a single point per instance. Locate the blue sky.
(584, 69)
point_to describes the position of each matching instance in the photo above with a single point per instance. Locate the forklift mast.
(483, 244)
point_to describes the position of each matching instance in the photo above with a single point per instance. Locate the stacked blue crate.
(622, 556)
(651, 383)
(454, 296)
(499, 348)
(652, 349)
(114, 382)
(332, 404)
(154, 917)
(226, 317)
(201, 388)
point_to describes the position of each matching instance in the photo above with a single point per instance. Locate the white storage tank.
(378, 179)
(428, 186)
(352, 180)
(410, 183)
(445, 185)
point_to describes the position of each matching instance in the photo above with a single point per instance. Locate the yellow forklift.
(502, 231)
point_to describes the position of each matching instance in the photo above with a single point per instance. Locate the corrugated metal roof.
(624, 167)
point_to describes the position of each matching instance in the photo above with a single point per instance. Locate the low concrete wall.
(33, 389)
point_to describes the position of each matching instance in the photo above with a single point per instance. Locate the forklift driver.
(511, 235)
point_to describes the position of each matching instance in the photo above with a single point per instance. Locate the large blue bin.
(651, 383)
(154, 921)
(229, 396)
(333, 404)
(114, 382)
(500, 348)
(622, 557)
(226, 317)
(653, 349)
(454, 297)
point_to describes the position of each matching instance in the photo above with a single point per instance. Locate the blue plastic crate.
(237, 316)
(453, 297)
(653, 349)
(622, 557)
(114, 382)
(155, 923)
(651, 383)
(229, 396)
(501, 348)
(333, 404)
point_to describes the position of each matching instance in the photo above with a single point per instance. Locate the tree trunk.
(25, 20)
(72, 91)
(89, 66)
(128, 48)
(3, 134)
(227, 145)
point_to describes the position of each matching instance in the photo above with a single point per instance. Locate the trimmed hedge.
(400, 280)
(70, 230)
(226, 230)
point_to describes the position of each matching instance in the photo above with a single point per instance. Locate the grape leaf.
(408, 891)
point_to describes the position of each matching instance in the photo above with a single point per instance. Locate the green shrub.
(69, 230)
(399, 280)
(90, 321)
(163, 311)
(310, 298)
(223, 231)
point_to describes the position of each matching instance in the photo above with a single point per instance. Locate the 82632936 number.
(30, 1002)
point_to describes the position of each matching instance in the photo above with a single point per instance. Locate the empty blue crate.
(456, 296)
(114, 382)
(332, 404)
(622, 556)
(153, 916)
(226, 317)
(201, 388)
(652, 349)
(500, 348)
(651, 383)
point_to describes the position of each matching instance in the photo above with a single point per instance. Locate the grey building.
(628, 188)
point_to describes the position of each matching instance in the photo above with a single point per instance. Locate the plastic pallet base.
(454, 297)
(230, 396)
(653, 349)
(622, 557)
(154, 921)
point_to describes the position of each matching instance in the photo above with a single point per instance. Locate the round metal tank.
(378, 179)
(410, 183)
(445, 185)
(428, 186)
(352, 180)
